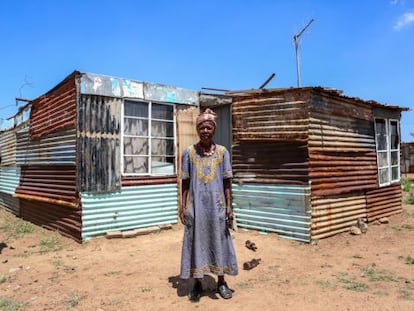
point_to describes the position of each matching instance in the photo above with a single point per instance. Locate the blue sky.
(365, 47)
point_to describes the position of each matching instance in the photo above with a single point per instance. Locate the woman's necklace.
(207, 151)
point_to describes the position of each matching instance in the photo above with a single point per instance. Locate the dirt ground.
(41, 270)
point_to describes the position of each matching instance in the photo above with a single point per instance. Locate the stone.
(354, 230)
(384, 220)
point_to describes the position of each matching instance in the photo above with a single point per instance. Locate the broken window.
(148, 138)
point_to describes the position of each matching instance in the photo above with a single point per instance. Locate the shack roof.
(322, 90)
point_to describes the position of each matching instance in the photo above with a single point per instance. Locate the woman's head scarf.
(207, 115)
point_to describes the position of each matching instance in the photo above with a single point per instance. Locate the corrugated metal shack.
(98, 154)
(308, 162)
(407, 158)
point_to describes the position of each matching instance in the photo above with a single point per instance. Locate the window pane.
(395, 173)
(383, 176)
(135, 127)
(136, 109)
(382, 159)
(394, 157)
(135, 165)
(135, 146)
(162, 147)
(381, 134)
(164, 112)
(162, 129)
(394, 134)
(163, 165)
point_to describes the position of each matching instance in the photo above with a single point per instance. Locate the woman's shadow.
(184, 286)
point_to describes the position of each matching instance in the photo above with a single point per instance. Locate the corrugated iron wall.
(130, 208)
(284, 209)
(384, 201)
(58, 148)
(270, 162)
(342, 152)
(67, 221)
(55, 184)
(99, 125)
(8, 147)
(55, 110)
(336, 213)
(269, 117)
(9, 179)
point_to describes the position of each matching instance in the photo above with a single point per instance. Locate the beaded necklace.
(206, 152)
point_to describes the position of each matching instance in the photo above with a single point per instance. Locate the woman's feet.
(224, 291)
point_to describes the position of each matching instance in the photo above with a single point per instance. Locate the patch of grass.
(116, 302)
(351, 283)
(16, 228)
(146, 289)
(7, 304)
(25, 254)
(407, 226)
(74, 299)
(409, 260)
(406, 185)
(406, 294)
(325, 283)
(382, 275)
(5, 279)
(114, 272)
(50, 244)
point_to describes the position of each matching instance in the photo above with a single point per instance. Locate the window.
(388, 150)
(148, 139)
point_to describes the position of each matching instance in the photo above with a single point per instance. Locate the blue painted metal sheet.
(9, 180)
(284, 209)
(131, 208)
(57, 148)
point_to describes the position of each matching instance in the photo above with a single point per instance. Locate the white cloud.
(396, 2)
(404, 20)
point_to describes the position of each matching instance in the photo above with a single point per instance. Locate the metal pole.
(296, 39)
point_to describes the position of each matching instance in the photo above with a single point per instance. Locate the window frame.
(150, 138)
(388, 151)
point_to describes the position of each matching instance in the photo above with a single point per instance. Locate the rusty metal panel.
(54, 184)
(66, 221)
(384, 201)
(407, 157)
(95, 84)
(269, 117)
(8, 147)
(129, 208)
(170, 94)
(284, 209)
(336, 213)
(55, 148)
(10, 203)
(342, 151)
(55, 110)
(270, 162)
(98, 141)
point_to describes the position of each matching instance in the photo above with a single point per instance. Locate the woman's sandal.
(224, 291)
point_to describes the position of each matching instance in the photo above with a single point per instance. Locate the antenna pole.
(296, 40)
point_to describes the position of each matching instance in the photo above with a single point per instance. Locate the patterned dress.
(207, 244)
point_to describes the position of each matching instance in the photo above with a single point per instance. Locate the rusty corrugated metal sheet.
(8, 147)
(336, 213)
(384, 201)
(407, 158)
(67, 221)
(53, 183)
(55, 110)
(342, 152)
(99, 151)
(269, 118)
(56, 148)
(270, 162)
(10, 203)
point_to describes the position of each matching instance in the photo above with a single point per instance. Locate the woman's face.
(206, 131)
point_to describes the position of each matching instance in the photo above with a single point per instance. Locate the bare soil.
(42, 270)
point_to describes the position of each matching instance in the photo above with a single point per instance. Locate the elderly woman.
(206, 210)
